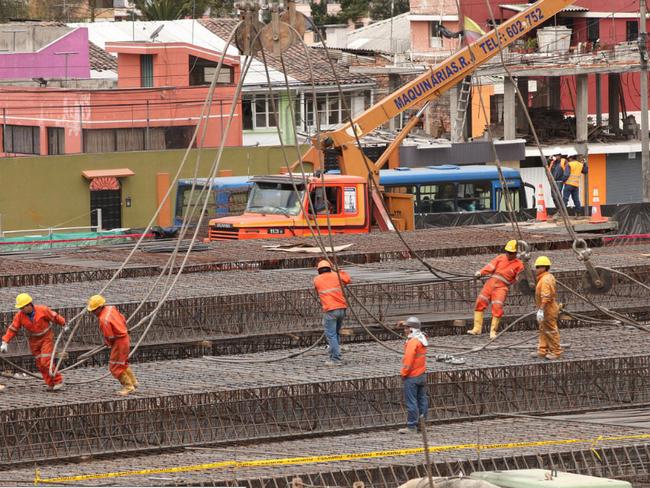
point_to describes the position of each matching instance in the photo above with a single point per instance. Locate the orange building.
(157, 104)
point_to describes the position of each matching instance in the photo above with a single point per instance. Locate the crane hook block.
(599, 282)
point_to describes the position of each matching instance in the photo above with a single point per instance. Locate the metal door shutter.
(623, 179)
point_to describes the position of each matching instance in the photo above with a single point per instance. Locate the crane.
(355, 167)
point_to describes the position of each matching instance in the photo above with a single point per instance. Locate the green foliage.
(222, 8)
(380, 9)
(353, 10)
(171, 9)
(12, 9)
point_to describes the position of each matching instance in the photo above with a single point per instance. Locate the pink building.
(157, 105)
(426, 18)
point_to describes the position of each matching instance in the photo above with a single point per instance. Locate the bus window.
(187, 203)
(409, 190)
(436, 198)
(514, 198)
(474, 196)
(237, 201)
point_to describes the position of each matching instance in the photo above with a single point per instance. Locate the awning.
(90, 174)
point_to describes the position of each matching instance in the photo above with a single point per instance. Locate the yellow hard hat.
(95, 302)
(323, 263)
(542, 261)
(511, 246)
(23, 300)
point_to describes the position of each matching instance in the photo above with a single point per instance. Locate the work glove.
(540, 315)
(66, 329)
(477, 275)
(4, 347)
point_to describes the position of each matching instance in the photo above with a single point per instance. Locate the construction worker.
(332, 299)
(414, 378)
(116, 336)
(37, 322)
(503, 272)
(557, 165)
(573, 172)
(548, 311)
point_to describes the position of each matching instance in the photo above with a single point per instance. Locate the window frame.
(35, 139)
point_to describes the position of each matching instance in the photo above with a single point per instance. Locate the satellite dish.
(155, 33)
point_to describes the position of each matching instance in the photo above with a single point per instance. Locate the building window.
(435, 38)
(331, 109)
(146, 70)
(258, 112)
(55, 140)
(178, 137)
(631, 30)
(22, 139)
(593, 30)
(112, 140)
(202, 71)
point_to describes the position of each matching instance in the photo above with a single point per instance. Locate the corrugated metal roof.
(520, 7)
(376, 37)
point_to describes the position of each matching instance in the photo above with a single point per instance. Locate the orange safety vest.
(36, 328)
(329, 290)
(575, 168)
(112, 324)
(414, 362)
(502, 269)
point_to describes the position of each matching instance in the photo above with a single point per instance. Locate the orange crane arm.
(443, 76)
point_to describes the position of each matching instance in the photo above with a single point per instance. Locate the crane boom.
(443, 76)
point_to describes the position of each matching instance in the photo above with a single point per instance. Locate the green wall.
(49, 191)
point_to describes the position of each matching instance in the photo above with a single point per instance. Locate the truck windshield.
(275, 198)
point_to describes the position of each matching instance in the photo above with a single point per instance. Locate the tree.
(12, 9)
(353, 10)
(221, 8)
(171, 9)
(380, 9)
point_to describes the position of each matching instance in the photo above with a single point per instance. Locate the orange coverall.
(40, 338)
(503, 273)
(545, 298)
(116, 336)
(414, 362)
(329, 290)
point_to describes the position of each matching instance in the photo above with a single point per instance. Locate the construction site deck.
(235, 390)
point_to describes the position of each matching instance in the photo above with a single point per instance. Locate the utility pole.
(645, 144)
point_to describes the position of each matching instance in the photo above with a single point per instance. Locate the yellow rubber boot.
(134, 380)
(127, 386)
(478, 324)
(494, 327)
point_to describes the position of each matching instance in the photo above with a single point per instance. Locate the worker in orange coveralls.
(116, 336)
(503, 272)
(413, 372)
(548, 311)
(37, 322)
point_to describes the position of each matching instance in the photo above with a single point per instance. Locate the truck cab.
(285, 206)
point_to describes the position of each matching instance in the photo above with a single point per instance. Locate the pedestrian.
(503, 272)
(328, 286)
(116, 336)
(557, 165)
(571, 179)
(548, 311)
(37, 323)
(414, 377)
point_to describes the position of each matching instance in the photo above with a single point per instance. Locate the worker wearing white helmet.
(548, 311)
(414, 368)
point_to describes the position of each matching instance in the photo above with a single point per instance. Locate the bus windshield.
(275, 198)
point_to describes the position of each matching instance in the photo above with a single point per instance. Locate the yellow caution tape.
(332, 458)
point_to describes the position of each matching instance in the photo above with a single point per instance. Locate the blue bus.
(450, 188)
(435, 189)
(228, 196)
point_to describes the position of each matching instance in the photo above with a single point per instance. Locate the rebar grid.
(91, 264)
(226, 313)
(623, 457)
(194, 402)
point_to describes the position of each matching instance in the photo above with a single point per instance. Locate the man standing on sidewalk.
(414, 377)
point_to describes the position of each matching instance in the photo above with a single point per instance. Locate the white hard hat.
(413, 322)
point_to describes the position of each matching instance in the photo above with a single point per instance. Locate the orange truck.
(373, 206)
